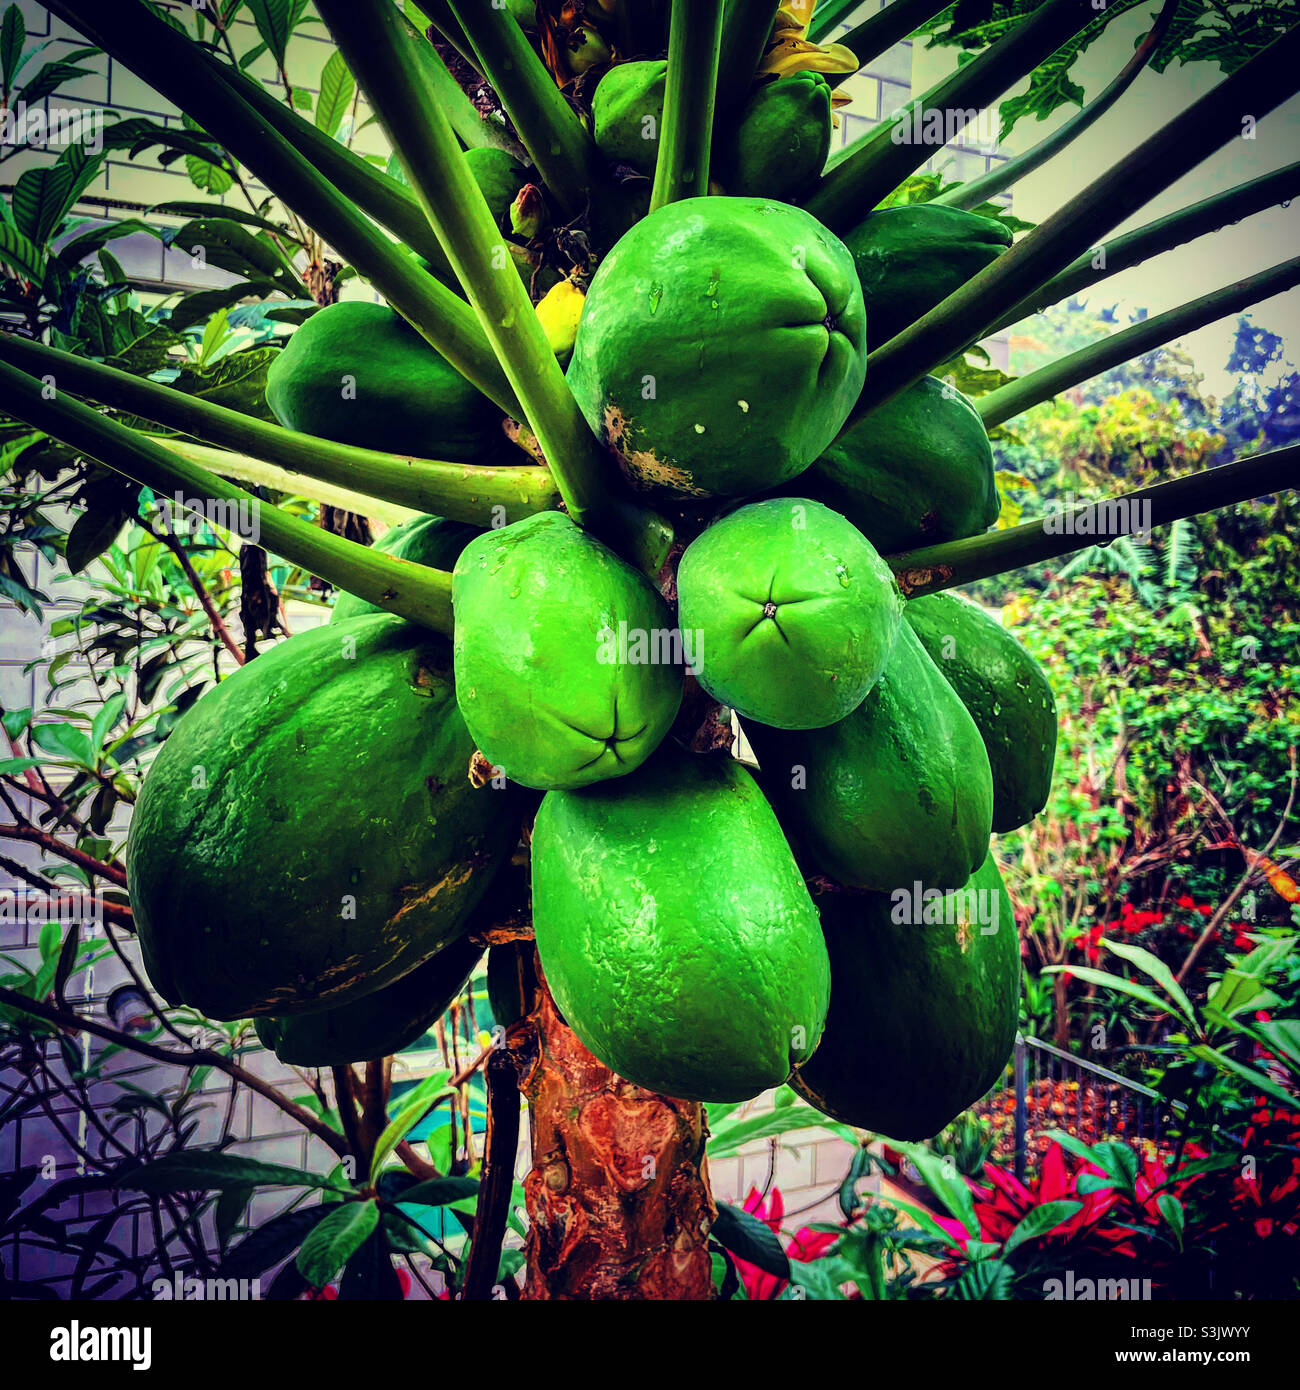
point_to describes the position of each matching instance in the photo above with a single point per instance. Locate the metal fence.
(1045, 1088)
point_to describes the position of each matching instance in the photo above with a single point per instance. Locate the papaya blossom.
(804, 1247)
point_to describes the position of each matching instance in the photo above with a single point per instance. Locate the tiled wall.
(807, 1172)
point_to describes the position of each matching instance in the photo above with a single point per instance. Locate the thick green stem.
(1165, 233)
(549, 127)
(415, 592)
(1027, 391)
(746, 27)
(873, 167)
(1002, 176)
(169, 61)
(381, 53)
(682, 170)
(462, 492)
(877, 35)
(944, 566)
(1260, 84)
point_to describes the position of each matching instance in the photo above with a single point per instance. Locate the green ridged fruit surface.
(308, 833)
(1006, 693)
(924, 1003)
(675, 930)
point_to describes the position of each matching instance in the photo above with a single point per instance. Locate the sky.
(1209, 263)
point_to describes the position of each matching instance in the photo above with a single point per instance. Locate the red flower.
(805, 1246)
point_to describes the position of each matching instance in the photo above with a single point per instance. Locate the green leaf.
(195, 308)
(93, 532)
(952, 1191)
(336, 90)
(821, 1279)
(51, 77)
(67, 959)
(64, 740)
(192, 208)
(230, 1209)
(13, 34)
(1040, 1221)
(746, 1236)
(1226, 1063)
(985, 1281)
(206, 1172)
(1109, 981)
(229, 245)
(924, 1220)
(105, 717)
(271, 1242)
(1172, 1210)
(439, 1192)
(20, 254)
(1153, 966)
(15, 721)
(733, 1135)
(414, 1106)
(207, 175)
(10, 766)
(274, 23)
(335, 1239)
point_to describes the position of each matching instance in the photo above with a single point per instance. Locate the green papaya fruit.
(424, 540)
(358, 373)
(1006, 693)
(627, 113)
(376, 1025)
(916, 471)
(912, 257)
(924, 1003)
(499, 176)
(567, 659)
(307, 833)
(675, 931)
(899, 791)
(789, 614)
(779, 148)
(720, 347)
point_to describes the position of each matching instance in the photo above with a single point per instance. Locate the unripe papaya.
(627, 113)
(376, 1025)
(308, 833)
(499, 176)
(912, 257)
(790, 613)
(779, 148)
(1006, 693)
(924, 1003)
(424, 540)
(721, 346)
(916, 471)
(676, 933)
(358, 373)
(898, 792)
(567, 662)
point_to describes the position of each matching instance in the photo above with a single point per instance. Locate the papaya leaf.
(333, 1241)
(746, 1236)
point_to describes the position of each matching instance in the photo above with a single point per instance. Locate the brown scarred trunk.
(618, 1197)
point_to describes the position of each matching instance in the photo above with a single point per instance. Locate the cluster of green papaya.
(309, 849)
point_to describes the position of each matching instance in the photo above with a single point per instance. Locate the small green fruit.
(916, 471)
(565, 654)
(627, 114)
(790, 614)
(358, 373)
(899, 791)
(780, 146)
(912, 257)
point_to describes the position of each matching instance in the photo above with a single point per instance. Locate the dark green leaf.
(271, 1242)
(438, 1192)
(63, 740)
(334, 1240)
(746, 1236)
(93, 532)
(13, 34)
(370, 1273)
(274, 22)
(204, 1172)
(336, 89)
(1040, 1221)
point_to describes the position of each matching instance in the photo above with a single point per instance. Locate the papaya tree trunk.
(618, 1197)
